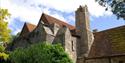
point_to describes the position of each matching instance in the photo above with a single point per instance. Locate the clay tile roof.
(46, 19)
(27, 28)
(109, 42)
(49, 19)
(30, 27)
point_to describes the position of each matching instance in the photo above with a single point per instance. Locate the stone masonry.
(82, 45)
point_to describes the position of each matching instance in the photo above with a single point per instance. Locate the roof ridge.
(29, 23)
(111, 29)
(56, 20)
(30, 26)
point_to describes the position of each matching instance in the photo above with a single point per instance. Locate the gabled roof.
(109, 42)
(50, 20)
(46, 19)
(27, 28)
(30, 27)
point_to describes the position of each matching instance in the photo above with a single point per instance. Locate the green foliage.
(117, 7)
(4, 56)
(4, 31)
(2, 48)
(40, 53)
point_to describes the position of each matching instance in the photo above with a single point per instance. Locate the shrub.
(40, 53)
(2, 48)
(3, 56)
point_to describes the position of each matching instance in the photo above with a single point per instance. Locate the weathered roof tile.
(27, 28)
(49, 19)
(109, 42)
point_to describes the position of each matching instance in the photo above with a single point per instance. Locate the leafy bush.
(40, 53)
(2, 48)
(4, 56)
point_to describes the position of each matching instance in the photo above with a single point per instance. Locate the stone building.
(82, 45)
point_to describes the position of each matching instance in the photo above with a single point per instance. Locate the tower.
(83, 30)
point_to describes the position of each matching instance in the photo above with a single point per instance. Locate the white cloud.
(62, 5)
(28, 13)
(59, 17)
(96, 10)
(71, 5)
(31, 14)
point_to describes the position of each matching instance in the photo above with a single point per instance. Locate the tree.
(3, 56)
(2, 48)
(4, 34)
(40, 53)
(116, 6)
(4, 31)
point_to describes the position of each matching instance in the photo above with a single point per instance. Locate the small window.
(72, 46)
(121, 62)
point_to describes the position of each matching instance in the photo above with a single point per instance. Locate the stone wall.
(19, 43)
(50, 33)
(74, 54)
(68, 42)
(70, 45)
(103, 60)
(117, 59)
(83, 30)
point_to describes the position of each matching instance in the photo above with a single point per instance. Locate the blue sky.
(30, 11)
